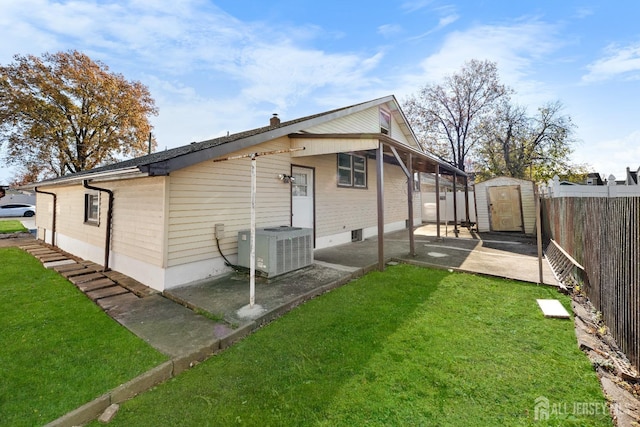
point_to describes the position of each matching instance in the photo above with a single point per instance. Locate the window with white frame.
(92, 208)
(385, 122)
(352, 170)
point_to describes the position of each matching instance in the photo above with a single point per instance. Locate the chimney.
(274, 121)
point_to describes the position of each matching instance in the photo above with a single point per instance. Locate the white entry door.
(302, 197)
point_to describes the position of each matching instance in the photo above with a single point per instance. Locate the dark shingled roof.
(144, 163)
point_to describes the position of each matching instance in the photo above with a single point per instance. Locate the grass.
(410, 346)
(11, 226)
(59, 350)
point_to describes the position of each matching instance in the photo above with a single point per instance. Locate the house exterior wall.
(137, 244)
(339, 210)
(163, 230)
(527, 199)
(206, 194)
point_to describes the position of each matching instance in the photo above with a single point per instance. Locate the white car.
(17, 209)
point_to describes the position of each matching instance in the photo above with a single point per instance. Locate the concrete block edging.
(143, 382)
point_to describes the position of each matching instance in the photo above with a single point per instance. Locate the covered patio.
(387, 150)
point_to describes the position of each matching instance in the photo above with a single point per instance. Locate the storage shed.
(506, 204)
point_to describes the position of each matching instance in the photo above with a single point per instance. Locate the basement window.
(92, 208)
(352, 171)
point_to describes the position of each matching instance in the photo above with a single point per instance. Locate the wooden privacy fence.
(603, 234)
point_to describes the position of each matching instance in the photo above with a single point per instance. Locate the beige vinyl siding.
(138, 218)
(70, 214)
(396, 133)
(364, 121)
(44, 208)
(209, 193)
(341, 209)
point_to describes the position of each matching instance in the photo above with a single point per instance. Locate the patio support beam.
(412, 243)
(466, 201)
(400, 162)
(455, 205)
(438, 202)
(380, 193)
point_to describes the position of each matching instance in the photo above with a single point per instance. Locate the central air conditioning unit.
(279, 250)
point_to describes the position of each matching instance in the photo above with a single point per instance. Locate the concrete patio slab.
(169, 327)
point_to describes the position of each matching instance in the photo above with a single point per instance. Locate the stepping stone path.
(108, 289)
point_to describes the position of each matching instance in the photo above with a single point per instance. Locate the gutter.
(126, 173)
(55, 202)
(107, 243)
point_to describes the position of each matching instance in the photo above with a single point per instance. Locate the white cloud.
(413, 5)
(584, 12)
(618, 61)
(388, 30)
(283, 73)
(514, 47)
(191, 36)
(447, 20)
(611, 156)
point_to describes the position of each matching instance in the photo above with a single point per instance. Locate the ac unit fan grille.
(293, 253)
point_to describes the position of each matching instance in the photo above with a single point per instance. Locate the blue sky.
(225, 66)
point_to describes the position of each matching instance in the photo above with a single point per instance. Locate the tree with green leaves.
(64, 113)
(447, 117)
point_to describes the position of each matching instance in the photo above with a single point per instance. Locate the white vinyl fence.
(446, 206)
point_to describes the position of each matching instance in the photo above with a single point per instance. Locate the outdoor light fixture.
(286, 178)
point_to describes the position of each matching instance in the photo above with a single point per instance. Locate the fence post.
(612, 191)
(556, 186)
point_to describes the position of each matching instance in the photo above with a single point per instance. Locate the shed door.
(505, 208)
(302, 206)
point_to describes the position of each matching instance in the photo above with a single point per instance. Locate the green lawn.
(11, 226)
(59, 350)
(406, 347)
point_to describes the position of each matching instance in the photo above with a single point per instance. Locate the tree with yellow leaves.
(64, 113)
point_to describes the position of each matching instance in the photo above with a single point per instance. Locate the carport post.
(455, 205)
(438, 201)
(412, 244)
(538, 231)
(380, 192)
(466, 201)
